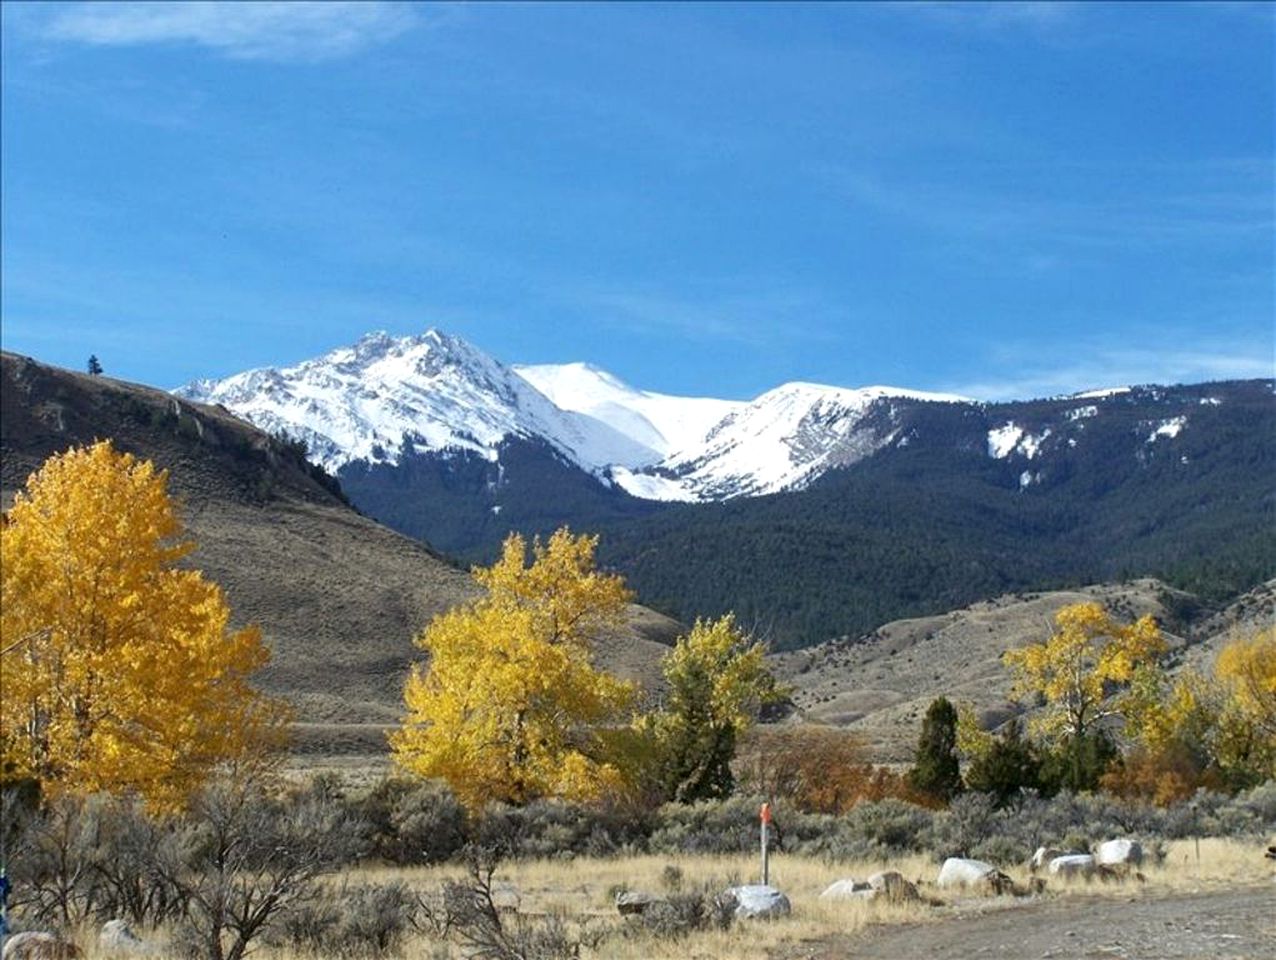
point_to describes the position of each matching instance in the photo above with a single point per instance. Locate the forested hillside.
(965, 502)
(465, 504)
(935, 523)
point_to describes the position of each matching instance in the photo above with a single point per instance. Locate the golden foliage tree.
(510, 706)
(1205, 730)
(1246, 668)
(119, 671)
(718, 680)
(1087, 658)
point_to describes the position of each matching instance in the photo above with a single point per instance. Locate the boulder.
(38, 945)
(636, 902)
(117, 937)
(759, 901)
(961, 872)
(1041, 859)
(1073, 865)
(848, 889)
(891, 886)
(1119, 853)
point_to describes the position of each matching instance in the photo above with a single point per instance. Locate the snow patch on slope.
(1167, 428)
(1003, 440)
(650, 486)
(1099, 394)
(1011, 438)
(660, 422)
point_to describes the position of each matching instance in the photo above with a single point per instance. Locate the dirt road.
(1218, 924)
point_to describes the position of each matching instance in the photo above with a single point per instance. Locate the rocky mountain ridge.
(385, 398)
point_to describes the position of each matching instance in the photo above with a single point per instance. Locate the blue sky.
(1005, 201)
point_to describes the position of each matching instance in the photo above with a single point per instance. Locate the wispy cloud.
(738, 313)
(1035, 16)
(1163, 211)
(1032, 372)
(248, 30)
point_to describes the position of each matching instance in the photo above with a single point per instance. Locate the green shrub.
(710, 826)
(368, 920)
(552, 828)
(969, 822)
(415, 821)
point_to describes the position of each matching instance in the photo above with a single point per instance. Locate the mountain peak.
(384, 396)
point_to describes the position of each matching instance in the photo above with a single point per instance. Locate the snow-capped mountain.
(385, 398)
(781, 441)
(663, 423)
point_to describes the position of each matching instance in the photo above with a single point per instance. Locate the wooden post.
(766, 823)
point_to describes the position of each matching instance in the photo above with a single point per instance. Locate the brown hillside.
(1252, 611)
(338, 596)
(881, 684)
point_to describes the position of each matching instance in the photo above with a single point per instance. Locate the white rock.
(116, 935)
(1073, 865)
(962, 872)
(1043, 856)
(847, 889)
(38, 945)
(1119, 853)
(892, 886)
(759, 900)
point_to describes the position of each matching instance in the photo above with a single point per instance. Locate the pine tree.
(1009, 765)
(935, 769)
(95, 368)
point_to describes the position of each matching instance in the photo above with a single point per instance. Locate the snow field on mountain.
(663, 423)
(434, 393)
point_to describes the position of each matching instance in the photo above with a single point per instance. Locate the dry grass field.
(581, 891)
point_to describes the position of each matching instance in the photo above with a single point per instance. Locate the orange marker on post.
(766, 823)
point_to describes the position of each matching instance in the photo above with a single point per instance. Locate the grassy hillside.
(881, 683)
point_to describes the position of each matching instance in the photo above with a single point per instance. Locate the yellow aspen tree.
(118, 671)
(718, 681)
(1197, 730)
(1245, 675)
(1246, 666)
(510, 707)
(1087, 658)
